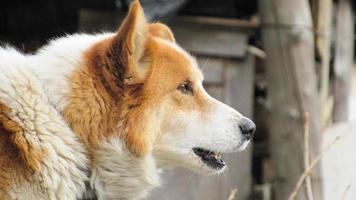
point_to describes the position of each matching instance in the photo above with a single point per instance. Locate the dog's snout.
(247, 128)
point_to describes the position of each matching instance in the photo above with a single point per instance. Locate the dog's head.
(169, 114)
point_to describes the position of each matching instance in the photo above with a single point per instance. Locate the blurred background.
(287, 64)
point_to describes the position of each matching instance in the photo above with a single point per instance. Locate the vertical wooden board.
(239, 80)
(215, 91)
(344, 54)
(212, 68)
(238, 86)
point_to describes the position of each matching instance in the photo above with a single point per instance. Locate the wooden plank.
(323, 45)
(343, 60)
(239, 88)
(212, 69)
(239, 83)
(314, 6)
(292, 91)
(211, 42)
(215, 91)
(221, 23)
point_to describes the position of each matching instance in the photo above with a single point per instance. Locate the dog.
(99, 116)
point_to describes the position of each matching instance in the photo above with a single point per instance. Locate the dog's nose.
(247, 128)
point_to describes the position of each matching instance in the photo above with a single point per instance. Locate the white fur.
(64, 168)
(34, 87)
(119, 174)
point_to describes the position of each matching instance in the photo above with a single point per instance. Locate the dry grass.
(232, 195)
(309, 167)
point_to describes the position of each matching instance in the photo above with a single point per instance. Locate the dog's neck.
(120, 175)
(116, 173)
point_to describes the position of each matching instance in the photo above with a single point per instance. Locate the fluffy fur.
(101, 114)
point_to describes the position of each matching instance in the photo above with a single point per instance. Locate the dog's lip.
(210, 158)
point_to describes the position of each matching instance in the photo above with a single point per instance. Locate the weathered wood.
(287, 33)
(239, 82)
(344, 48)
(323, 41)
(213, 69)
(211, 42)
(314, 6)
(215, 91)
(217, 22)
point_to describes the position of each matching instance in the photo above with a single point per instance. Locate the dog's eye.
(185, 88)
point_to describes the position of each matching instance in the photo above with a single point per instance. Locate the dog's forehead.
(179, 59)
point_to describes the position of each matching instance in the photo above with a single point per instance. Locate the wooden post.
(287, 34)
(344, 48)
(323, 41)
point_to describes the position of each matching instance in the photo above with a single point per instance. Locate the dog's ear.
(127, 47)
(161, 31)
(127, 62)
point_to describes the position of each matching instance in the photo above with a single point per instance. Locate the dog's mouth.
(210, 158)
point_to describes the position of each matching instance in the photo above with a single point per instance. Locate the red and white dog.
(100, 114)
